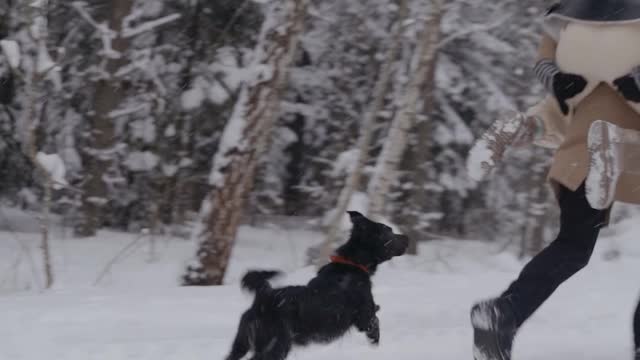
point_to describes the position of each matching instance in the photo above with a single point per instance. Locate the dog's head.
(372, 243)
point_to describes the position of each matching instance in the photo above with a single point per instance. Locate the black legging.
(579, 228)
(636, 328)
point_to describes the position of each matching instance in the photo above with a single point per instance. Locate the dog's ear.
(355, 216)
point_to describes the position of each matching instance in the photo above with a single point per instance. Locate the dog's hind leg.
(240, 347)
(276, 346)
(277, 351)
(241, 344)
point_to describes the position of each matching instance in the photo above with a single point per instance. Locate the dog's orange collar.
(343, 260)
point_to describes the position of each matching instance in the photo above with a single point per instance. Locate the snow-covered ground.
(136, 311)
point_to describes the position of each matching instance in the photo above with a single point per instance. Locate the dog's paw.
(374, 339)
(373, 332)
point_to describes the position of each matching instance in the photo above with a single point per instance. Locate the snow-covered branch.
(148, 26)
(54, 168)
(106, 33)
(11, 50)
(128, 111)
(475, 29)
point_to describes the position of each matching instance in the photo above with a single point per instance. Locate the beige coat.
(600, 101)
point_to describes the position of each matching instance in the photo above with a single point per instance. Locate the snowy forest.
(130, 115)
(192, 117)
(151, 148)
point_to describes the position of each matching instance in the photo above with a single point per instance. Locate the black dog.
(338, 298)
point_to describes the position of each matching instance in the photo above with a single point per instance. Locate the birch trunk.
(533, 240)
(420, 153)
(368, 123)
(386, 171)
(244, 139)
(34, 93)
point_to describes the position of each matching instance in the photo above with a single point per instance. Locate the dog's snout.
(404, 239)
(402, 244)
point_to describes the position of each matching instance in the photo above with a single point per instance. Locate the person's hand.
(628, 86)
(566, 86)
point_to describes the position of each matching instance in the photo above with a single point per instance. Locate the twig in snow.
(117, 257)
(441, 259)
(24, 249)
(504, 246)
(14, 265)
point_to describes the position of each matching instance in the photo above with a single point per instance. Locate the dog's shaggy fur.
(338, 298)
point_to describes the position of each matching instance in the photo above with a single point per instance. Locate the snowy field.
(134, 310)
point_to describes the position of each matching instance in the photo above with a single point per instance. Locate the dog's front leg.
(369, 323)
(373, 330)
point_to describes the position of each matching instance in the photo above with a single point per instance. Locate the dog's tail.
(258, 281)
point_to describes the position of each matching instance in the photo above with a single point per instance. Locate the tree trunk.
(178, 192)
(352, 182)
(536, 220)
(293, 196)
(98, 152)
(386, 168)
(244, 139)
(35, 95)
(419, 154)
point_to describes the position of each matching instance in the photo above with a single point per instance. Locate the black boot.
(494, 327)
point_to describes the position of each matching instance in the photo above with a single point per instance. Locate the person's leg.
(496, 321)
(636, 331)
(569, 253)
